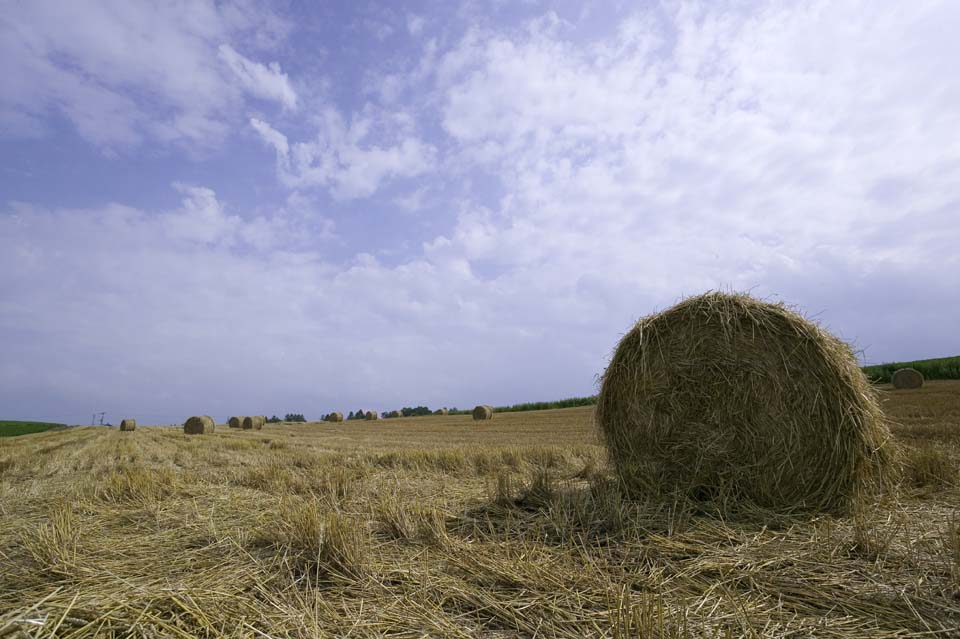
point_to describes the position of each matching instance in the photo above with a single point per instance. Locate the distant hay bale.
(441, 411)
(128, 424)
(335, 417)
(235, 422)
(483, 412)
(253, 422)
(199, 425)
(907, 378)
(371, 415)
(726, 398)
(395, 414)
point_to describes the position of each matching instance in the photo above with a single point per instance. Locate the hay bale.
(907, 378)
(199, 425)
(335, 417)
(235, 422)
(254, 422)
(128, 424)
(395, 414)
(483, 412)
(726, 398)
(371, 415)
(441, 411)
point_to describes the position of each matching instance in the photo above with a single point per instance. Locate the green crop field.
(939, 368)
(13, 428)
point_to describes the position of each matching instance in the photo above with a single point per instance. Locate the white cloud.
(274, 138)
(415, 24)
(726, 131)
(176, 309)
(739, 150)
(264, 81)
(805, 151)
(412, 201)
(345, 158)
(201, 218)
(125, 72)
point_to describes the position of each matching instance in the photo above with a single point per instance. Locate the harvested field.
(444, 527)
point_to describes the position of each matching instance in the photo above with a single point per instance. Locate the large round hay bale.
(907, 378)
(441, 411)
(727, 398)
(128, 424)
(235, 422)
(335, 417)
(199, 425)
(371, 415)
(483, 412)
(253, 422)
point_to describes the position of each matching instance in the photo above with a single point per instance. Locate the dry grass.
(444, 527)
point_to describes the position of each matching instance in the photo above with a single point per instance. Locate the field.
(443, 527)
(14, 428)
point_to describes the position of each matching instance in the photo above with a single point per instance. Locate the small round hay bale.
(395, 414)
(441, 411)
(253, 422)
(483, 412)
(726, 398)
(128, 424)
(907, 378)
(235, 422)
(199, 425)
(371, 415)
(335, 417)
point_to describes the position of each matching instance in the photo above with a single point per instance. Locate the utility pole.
(93, 420)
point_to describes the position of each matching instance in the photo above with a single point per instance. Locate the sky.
(250, 207)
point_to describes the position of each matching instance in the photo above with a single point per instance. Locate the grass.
(14, 428)
(442, 527)
(939, 368)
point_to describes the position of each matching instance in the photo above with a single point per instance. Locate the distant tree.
(294, 417)
(350, 416)
(274, 420)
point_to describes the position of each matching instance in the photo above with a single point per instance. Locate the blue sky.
(245, 207)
